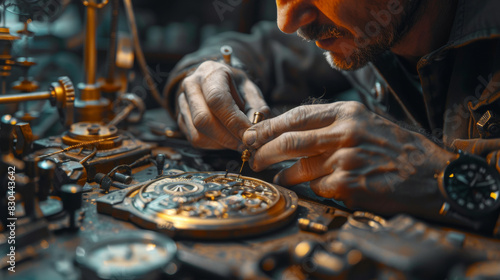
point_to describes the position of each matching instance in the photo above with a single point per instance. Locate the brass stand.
(90, 106)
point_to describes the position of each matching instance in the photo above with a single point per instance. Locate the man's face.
(353, 32)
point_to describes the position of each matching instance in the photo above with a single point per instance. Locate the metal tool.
(246, 154)
(226, 52)
(130, 107)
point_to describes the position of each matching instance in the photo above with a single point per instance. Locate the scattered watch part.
(131, 255)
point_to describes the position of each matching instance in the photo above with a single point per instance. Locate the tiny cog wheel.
(66, 107)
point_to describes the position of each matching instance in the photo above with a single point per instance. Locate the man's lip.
(326, 43)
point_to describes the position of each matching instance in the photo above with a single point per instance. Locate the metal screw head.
(494, 128)
(94, 129)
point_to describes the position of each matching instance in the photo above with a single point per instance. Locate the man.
(425, 64)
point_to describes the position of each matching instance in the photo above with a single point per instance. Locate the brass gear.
(63, 97)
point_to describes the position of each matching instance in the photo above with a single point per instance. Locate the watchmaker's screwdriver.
(245, 156)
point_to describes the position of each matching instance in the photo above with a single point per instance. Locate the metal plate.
(207, 205)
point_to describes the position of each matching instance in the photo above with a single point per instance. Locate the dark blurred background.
(168, 30)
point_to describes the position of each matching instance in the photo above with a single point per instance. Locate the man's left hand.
(353, 155)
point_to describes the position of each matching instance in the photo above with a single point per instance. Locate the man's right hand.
(216, 105)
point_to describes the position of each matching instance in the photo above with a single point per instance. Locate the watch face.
(472, 187)
(126, 255)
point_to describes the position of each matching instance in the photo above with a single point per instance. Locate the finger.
(207, 144)
(298, 144)
(304, 170)
(185, 122)
(342, 186)
(194, 136)
(181, 102)
(182, 127)
(298, 119)
(216, 88)
(254, 100)
(311, 168)
(337, 185)
(203, 119)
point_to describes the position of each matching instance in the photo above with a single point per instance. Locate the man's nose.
(293, 14)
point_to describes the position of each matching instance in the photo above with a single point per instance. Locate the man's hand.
(216, 104)
(351, 154)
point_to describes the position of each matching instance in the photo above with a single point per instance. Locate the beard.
(367, 47)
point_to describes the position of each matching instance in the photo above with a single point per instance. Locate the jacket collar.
(475, 20)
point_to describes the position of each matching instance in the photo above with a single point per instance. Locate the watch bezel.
(451, 167)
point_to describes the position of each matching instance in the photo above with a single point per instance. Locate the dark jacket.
(459, 82)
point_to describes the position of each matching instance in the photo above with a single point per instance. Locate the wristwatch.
(470, 187)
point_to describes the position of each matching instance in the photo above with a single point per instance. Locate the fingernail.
(241, 147)
(250, 137)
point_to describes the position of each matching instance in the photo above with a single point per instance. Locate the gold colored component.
(6, 36)
(17, 98)
(366, 220)
(303, 248)
(101, 144)
(84, 132)
(90, 50)
(89, 143)
(308, 225)
(489, 125)
(212, 195)
(25, 30)
(354, 257)
(90, 106)
(61, 94)
(257, 117)
(484, 121)
(95, 5)
(245, 156)
(25, 85)
(25, 62)
(444, 209)
(208, 211)
(6, 62)
(226, 51)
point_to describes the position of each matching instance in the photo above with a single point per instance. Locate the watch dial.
(472, 187)
(127, 255)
